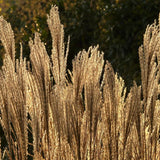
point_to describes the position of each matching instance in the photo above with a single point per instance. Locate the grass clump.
(80, 114)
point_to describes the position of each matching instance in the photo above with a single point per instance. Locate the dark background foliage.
(116, 25)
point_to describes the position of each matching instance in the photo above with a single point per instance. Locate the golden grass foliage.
(84, 114)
